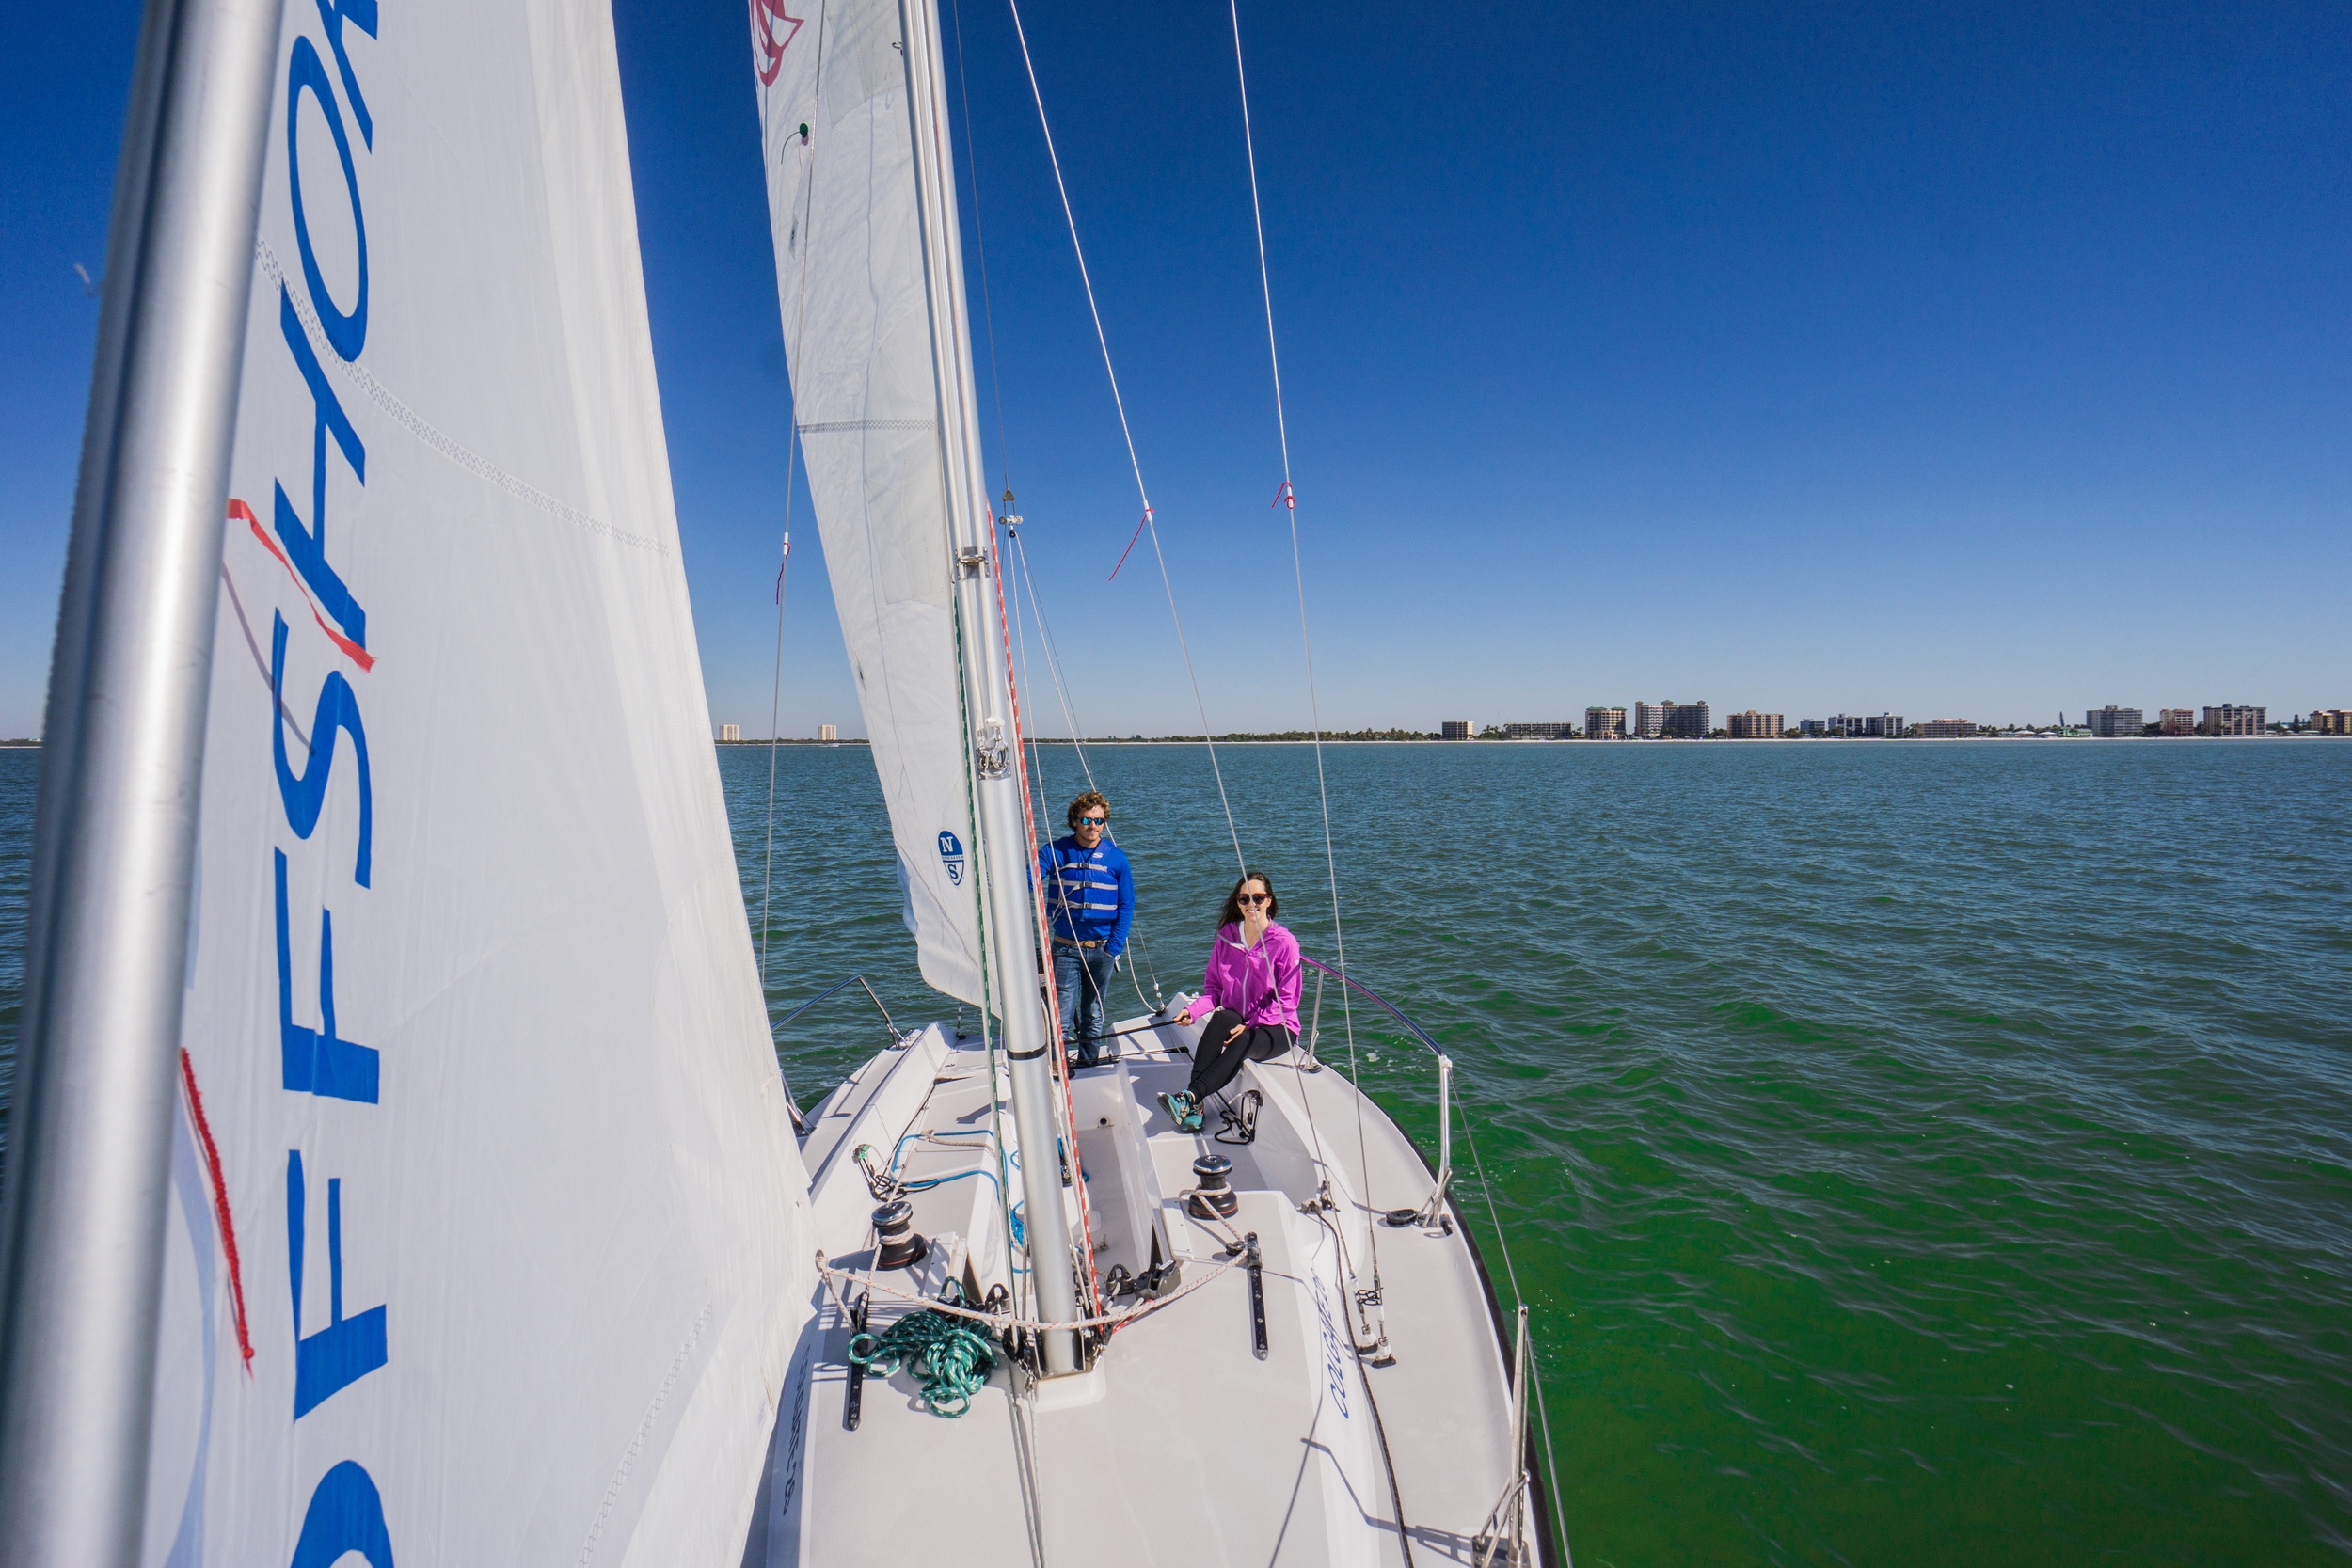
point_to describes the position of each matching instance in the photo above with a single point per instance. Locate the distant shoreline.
(1623, 740)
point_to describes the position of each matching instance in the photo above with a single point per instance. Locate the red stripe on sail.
(220, 1202)
(244, 513)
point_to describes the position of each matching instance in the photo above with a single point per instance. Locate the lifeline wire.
(1510, 1268)
(1135, 463)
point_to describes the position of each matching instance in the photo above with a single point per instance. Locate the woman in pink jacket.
(1249, 994)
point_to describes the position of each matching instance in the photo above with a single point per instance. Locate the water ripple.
(1915, 1153)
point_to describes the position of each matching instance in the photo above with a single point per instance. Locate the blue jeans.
(1082, 977)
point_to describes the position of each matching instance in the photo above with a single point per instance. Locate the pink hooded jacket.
(1261, 983)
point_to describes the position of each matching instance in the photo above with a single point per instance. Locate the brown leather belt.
(1068, 942)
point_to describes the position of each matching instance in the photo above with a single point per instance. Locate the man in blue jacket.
(1090, 903)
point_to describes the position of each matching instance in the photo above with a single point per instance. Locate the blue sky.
(1958, 361)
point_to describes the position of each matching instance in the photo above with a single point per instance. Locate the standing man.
(1090, 903)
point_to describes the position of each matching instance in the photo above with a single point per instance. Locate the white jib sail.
(492, 1241)
(842, 201)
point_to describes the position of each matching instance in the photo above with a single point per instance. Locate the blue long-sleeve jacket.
(1090, 894)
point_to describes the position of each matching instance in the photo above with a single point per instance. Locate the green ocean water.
(1915, 1153)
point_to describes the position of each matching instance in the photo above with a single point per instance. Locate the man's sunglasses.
(1093, 821)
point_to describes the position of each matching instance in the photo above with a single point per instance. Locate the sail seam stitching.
(448, 447)
(645, 1430)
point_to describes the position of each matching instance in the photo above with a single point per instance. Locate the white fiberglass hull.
(1183, 1445)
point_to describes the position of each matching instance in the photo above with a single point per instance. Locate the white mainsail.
(842, 187)
(491, 1237)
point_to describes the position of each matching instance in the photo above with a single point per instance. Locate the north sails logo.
(951, 856)
(766, 14)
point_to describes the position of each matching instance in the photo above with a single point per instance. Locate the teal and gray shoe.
(1183, 1110)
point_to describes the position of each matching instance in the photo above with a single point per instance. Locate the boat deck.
(1183, 1445)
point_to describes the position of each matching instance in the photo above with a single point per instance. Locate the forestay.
(491, 1241)
(843, 203)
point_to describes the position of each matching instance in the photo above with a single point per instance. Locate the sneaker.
(1183, 1110)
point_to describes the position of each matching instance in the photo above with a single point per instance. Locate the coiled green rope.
(951, 1359)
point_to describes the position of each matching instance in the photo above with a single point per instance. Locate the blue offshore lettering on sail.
(1090, 894)
(345, 1514)
(951, 856)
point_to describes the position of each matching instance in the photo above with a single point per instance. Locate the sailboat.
(1274, 1343)
(400, 1165)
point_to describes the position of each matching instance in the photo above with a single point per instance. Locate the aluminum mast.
(82, 1213)
(1003, 854)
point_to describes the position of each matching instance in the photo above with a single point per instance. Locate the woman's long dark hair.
(1231, 915)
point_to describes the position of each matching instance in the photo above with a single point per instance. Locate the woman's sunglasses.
(1257, 898)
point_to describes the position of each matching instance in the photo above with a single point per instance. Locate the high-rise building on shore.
(1455, 729)
(1546, 730)
(2232, 718)
(1855, 726)
(730, 731)
(2331, 720)
(2113, 722)
(1812, 726)
(1753, 726)
(1604, 724)
(1670, 717)
(827, 732)
(1948, 729)
(2176, 720)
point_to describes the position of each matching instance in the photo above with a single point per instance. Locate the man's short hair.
(1085, 803)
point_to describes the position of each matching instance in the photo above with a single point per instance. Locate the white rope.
(979, 234)
(1289, 497)
(1006, 1319)
(1134, 463)
(1052, 660)
(1070, 719)
(1021, 639)
(775, 706)
(791, 455)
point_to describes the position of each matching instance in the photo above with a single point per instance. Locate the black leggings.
(1215, 1059)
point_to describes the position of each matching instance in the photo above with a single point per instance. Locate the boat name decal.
(1334, 1366)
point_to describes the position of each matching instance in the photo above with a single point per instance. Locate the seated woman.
(1249, 994)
